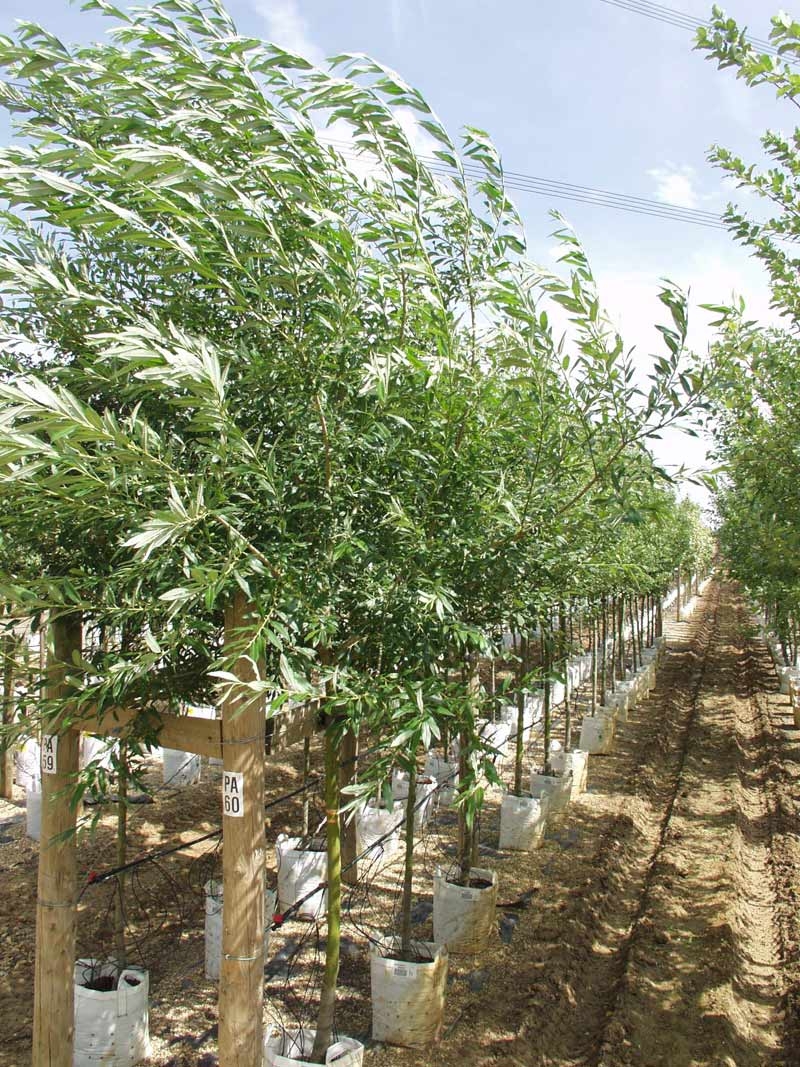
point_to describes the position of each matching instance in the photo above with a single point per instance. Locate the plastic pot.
(111, 1027)
(213, 925)
(556, 789)
(426, 792)
(292, 1048)
(446, 774)
(180, 768)
(408, 997)
(597, 734)
(98, 751)
(523, 822)
(463, 917)
(373, 823)
(299, 871)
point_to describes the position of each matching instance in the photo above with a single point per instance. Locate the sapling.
(327, 998)
(122, 852)
(519, 747)
(408, 863)
(547, 663)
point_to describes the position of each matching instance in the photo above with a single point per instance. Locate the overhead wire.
(552, 188)
(670, 17)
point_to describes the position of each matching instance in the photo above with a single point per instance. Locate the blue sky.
(573, 90)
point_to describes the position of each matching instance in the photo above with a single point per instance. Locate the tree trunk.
(306, 774)
(564, 658)
(408, 868)
(327, 996)
(465, 830)
(6, 754)
(122, 855)
(519, 749)
(547, 663)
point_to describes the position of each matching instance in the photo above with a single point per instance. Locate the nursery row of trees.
(757, 397)
(239, 369)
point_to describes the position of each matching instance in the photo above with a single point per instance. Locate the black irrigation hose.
(95, 878)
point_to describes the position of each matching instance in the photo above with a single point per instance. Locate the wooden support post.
(347, 774)
(53, 1004)
(241, 987)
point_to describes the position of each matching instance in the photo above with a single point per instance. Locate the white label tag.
(400, 971)
(49, 753)
(468, 894)
(233, 794)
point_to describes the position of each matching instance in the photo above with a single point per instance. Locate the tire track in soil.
(586, 948)
(777, 756)
(702, 986)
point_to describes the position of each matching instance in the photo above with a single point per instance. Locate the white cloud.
(287, 27)
(675, 185)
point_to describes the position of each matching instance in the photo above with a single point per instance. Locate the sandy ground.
(658, 922)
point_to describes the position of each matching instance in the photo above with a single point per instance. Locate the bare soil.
(657, 925)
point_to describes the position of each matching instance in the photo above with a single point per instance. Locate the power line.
(670, 17)
(585, 194)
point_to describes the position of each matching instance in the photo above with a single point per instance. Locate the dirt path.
(665, 930)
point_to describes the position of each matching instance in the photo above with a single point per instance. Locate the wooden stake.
(53, 1004)
(347, 774)
(241, 987)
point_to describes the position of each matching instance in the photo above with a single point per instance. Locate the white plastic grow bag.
(534, 708)
(299, 871)
(28, 760)
(98, 751)
(523, 821)
(508, 713)
(558, 693)
(496, 735)
(463, 917)
(788, 675)
(574, 675)
(555, 789)
(111, 1028)
(616, 704)
(408, 998)
(180, 768)
(372, 824)
(33, 812)
(213, 925)
(577, 764)
(292, 1048)
(446, 774)
(426, 792)
(597, 734)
